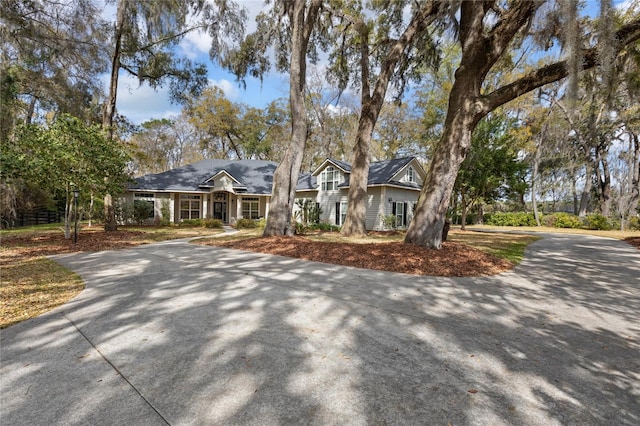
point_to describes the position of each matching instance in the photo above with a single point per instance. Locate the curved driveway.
(180, 334)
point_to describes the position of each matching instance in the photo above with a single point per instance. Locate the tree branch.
(626, 35)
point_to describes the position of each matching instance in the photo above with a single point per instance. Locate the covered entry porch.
(229, 206)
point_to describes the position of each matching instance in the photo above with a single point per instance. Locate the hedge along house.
(392, 189)
(230, 189)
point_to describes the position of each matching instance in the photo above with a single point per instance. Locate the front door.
(220, 211)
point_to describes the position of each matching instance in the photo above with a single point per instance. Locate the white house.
(230, 189)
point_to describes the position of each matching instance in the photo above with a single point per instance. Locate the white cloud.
(195, 44)
(229, 88)
(142, 103)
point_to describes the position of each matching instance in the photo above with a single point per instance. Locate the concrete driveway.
(180, 334)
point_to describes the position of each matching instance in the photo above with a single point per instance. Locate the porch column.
(172, 207)
(205, 205)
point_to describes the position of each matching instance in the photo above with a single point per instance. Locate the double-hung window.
(251, 208)
(330, 179)
(189, 206)
(399, 210)
(411, 175)
(341, 212)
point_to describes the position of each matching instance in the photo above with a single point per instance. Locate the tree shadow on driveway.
(187, 334)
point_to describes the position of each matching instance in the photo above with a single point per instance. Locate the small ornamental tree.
(64, 156)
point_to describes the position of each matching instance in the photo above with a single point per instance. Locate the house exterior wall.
(401, 196)
(327, 201)
(403, 175)
(158, 198)
(375, 206)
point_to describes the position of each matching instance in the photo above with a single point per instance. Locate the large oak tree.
(487, 30)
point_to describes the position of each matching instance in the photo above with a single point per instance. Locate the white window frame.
(400, 214)
(252, 210)
(411, 175)
(193, 208)
(330, 179)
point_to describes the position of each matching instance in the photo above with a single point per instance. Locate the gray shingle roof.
(307, 181)
(255, 175)
(381, 172)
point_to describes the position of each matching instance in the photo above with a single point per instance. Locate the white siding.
(375, 208)
(327, 201)
(401, 196)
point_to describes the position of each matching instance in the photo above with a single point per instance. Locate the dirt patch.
(453, 260)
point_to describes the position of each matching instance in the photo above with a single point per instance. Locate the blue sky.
(141, 103)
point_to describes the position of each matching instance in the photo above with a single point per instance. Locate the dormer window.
(411, 175)
(330, 179)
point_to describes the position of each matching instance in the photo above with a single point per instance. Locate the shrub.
(243, 223)
(190, 223)
(165, 211)
(634, 223)
(212, 223)
(123, 211)
(389, 221)
(562, 220)
(261, 223)
(597, 222)
(324, 227)
(142, 211)
(301, 228)
(512, 219)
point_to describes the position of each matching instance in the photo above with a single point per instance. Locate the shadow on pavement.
(190, 334)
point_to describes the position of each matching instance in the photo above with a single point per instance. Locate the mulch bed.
(453, 260)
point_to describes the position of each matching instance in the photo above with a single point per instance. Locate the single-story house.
(230, 189)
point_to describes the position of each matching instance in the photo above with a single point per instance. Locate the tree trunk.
(285, 178)
(480, 217)
(586, 191)
(603, 175)
(534, 184)
(463, 215)
(634, 199)
(355, 220)
(91, 210)
(110, 223)
(428, 221)
(67, 215)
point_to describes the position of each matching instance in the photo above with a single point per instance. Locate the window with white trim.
(341, 212)
(411, 175)
(251, 207)
(189, 206)
(330, 178)
(399, 210)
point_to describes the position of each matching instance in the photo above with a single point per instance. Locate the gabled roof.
(254, 175)
(380, 173)
(343, 165)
